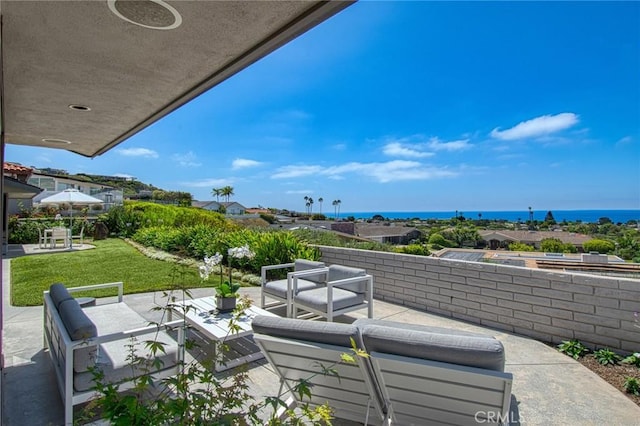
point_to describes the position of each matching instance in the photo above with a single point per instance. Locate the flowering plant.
(226, 288)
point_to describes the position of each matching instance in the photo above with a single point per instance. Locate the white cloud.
(137, 152)
(397, 149)
(44, 159)
(625, 140)
(459, 145)
(339, 147)
(390, 171)
(186, 160)
(243, 163)
(300, 191)
(295, 171)
(206, 183)
(509, 156)
(295, 114)
(539, 126)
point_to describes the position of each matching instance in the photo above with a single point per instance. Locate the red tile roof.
(15, 168)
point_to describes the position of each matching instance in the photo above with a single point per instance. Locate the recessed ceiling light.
(79, 108)
(152, 14)
(56, 141)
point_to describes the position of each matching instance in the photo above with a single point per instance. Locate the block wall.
(546, 305)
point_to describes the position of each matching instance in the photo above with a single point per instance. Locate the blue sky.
(412, 106)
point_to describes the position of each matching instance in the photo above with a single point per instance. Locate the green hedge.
(25, 231)
(198, 241)
(126, 220)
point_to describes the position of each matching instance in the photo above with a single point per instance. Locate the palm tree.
(530, 215)
(310, 201)
(217, 192)
(306, 203)
(320, 200)
(227, 192)
(336, 207)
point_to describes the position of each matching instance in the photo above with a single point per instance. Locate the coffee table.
(204, 317)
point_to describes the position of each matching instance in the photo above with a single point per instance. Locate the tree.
(629, 247)
(530, 214)
(604, 220)
(439, 241)
(555, 245)
(217, 192)
(227, 192)
(320, 200)
(336, 207)
(518, 246)
(599, 245)
(310, 204)
(462, 235)
(549, 217)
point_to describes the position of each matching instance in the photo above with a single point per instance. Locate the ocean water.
(586, 216)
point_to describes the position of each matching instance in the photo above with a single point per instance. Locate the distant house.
(234, 208)
(231, 208)
(388, 234)
(49, 184)
(56, 183)
(213, 206)
(501, 239)
(258, 211)
(18, 196)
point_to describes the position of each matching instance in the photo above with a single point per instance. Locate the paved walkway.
(548, 388)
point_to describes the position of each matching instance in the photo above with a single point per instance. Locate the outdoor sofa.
(79, 339)
(414, 374)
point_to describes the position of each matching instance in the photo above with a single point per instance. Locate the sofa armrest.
(99, 286)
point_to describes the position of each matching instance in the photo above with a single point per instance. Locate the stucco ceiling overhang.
(77, 76)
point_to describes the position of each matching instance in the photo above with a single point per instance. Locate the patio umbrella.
(71, 197)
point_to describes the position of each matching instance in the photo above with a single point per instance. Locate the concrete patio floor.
(549, 388)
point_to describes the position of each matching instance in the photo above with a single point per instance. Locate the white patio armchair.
(281, 290)
(346, 289)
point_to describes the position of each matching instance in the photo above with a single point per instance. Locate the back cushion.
(304, 264)
(331, 333)
(472, 351)
(58, 293)
(78, 325)
(339, 272)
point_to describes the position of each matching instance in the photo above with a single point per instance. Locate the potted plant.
(226, 296)
(227, 291)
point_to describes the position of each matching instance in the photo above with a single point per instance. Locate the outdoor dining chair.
(60, 234)
(42, 238)
(78, 237)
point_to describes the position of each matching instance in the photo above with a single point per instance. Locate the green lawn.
(112, 260)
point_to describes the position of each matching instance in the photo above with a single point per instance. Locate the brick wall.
(546, 305)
